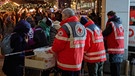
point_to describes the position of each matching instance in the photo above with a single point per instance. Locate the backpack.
(40, 37)
(46, 25)
(5, 45)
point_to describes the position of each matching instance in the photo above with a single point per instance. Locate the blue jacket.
(18, 42)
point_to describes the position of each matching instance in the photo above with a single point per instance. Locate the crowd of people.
(73, 40)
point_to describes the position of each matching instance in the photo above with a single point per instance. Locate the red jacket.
(69, 44)
(115, 41)
(95, 51)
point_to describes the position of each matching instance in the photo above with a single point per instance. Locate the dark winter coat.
(53, 31)
(13, 63)
(40, 38)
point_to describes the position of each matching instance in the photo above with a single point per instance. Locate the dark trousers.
(45, 73)
(70, 73)
(95, 69)
(17, 72)
(115, 69)
(13, 65)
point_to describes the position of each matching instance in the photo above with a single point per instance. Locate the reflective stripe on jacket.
(115, 41)
(96, 51)
(69, 46)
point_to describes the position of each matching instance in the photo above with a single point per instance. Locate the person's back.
(46, 24)
(114, 36)
(40, 38)
(13, 63)
(69, 44)
(95, 52)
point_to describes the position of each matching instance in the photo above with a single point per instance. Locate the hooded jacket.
(12, 63)
(95, 51)
(18, 42)
(114, 37)
(45, 24)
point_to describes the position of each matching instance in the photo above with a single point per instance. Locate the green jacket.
(46, 29)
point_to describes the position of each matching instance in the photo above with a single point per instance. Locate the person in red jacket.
(95, 54)
(114, 37)
(69, 44)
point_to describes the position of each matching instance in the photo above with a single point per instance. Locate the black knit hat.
(111, 13)
(83, 20)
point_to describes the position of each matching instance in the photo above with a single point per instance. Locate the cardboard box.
(39, 63)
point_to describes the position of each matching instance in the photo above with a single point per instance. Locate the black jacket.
(40, 38)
